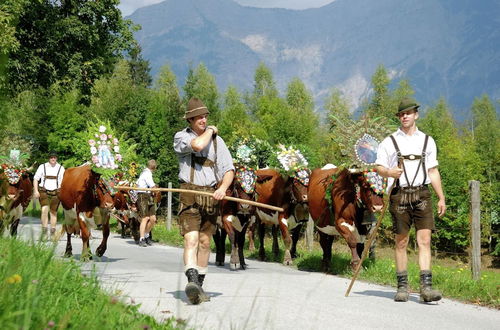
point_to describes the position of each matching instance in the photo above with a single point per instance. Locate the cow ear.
(261, 178)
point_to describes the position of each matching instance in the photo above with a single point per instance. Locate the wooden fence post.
(169, 207)
(475, 225)
(310, 234)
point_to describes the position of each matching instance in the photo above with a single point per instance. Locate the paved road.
(265, 296)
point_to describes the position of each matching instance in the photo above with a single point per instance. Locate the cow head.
(370, 188)
(103, 194)
(300, 184)
(244, 188)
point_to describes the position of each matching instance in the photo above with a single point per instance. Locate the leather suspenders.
(51, 177)
(402, 157)
(204, 161)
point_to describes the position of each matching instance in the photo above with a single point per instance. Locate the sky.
(129, 6)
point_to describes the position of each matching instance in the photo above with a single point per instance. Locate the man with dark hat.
(408, 158)
(46, 184)
(205, 164)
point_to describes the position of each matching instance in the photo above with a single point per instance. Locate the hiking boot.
(402, 293)
(193, 289)
(148, 241)
(142, 242)
(427, 293)
(203, 296)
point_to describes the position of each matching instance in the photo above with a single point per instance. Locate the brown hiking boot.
(203, 296)
(402, 293)
(193, 290)
(427, 293)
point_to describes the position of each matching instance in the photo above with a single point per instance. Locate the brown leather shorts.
(146, 206)
(49, 198)
(197, 212)
(405, 215)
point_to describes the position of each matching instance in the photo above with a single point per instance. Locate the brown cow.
(236, 218)
(17, 198)
(299, 206)
(125, 210)
(273, 189)
(351, 195)
(82, 190)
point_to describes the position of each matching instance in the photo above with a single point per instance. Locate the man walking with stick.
(205, 164)
(410, 200)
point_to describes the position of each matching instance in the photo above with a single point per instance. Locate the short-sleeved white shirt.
(145, 180)
(49, 170)
(408, 145)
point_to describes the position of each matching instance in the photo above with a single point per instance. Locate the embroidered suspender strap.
(203, 161)
(424, 149)
(57, 177)
(400, 158)
(44, 176)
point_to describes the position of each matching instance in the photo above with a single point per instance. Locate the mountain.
(445, 48)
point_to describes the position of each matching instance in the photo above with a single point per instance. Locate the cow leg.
(105, 233)
(262, 233)
(69, 249)
(251, 232)
(85, 235)
(123, 229)
(295, 238)
(234, 262)
(347, 232)
(220, 241)
(240, 239)
(326, 241)
(287, 259)
(134, 229)
(276, 247)
(13, 227)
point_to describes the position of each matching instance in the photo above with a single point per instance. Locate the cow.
(299, 206)
(273, 189)
(235, 217)
(16, 194)
(349, 195)
(125, 210)
(82, 190)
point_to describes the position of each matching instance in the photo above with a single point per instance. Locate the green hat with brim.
(407, 104)
(195, 107)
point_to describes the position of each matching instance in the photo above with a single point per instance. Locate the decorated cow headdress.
(13, 166)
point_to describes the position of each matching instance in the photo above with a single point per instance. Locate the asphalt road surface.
(265, 296)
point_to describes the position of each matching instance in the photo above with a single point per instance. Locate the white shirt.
(49, 170)
(408, 145)
(145, 180)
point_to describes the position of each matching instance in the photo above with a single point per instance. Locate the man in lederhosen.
(205, 164)
(408, 158)
(146, 204)
(46, 184)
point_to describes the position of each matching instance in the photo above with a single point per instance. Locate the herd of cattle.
(336, 199)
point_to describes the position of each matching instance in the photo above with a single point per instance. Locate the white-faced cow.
(82, 190)
(16, 195)
(236, 217)
(349, 195)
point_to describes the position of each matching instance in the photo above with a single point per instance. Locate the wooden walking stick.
(206, 193)
(368, 244)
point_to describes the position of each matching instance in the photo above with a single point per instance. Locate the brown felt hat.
(195, 108)
(407, 104)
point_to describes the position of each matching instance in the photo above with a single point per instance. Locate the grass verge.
(38, 291)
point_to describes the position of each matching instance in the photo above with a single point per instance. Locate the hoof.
(234, 266)
(68, 254)
(288, 262)
(100, 252)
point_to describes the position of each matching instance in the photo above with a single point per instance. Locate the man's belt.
(411, 157)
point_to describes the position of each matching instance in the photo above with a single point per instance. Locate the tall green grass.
(455, 282)
(38, 291)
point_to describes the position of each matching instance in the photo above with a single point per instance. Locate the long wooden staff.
(206, 193)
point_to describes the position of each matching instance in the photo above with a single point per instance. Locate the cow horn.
(355, 170)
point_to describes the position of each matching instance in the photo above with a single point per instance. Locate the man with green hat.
(205, 164)
(408, 158)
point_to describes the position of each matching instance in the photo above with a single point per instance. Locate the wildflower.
(103, 137)
(114, 300)
(93, 150)
(102, 129)
(34, 281)
(51, 324)
(116, 149)
(16, 278)
(92, 142)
